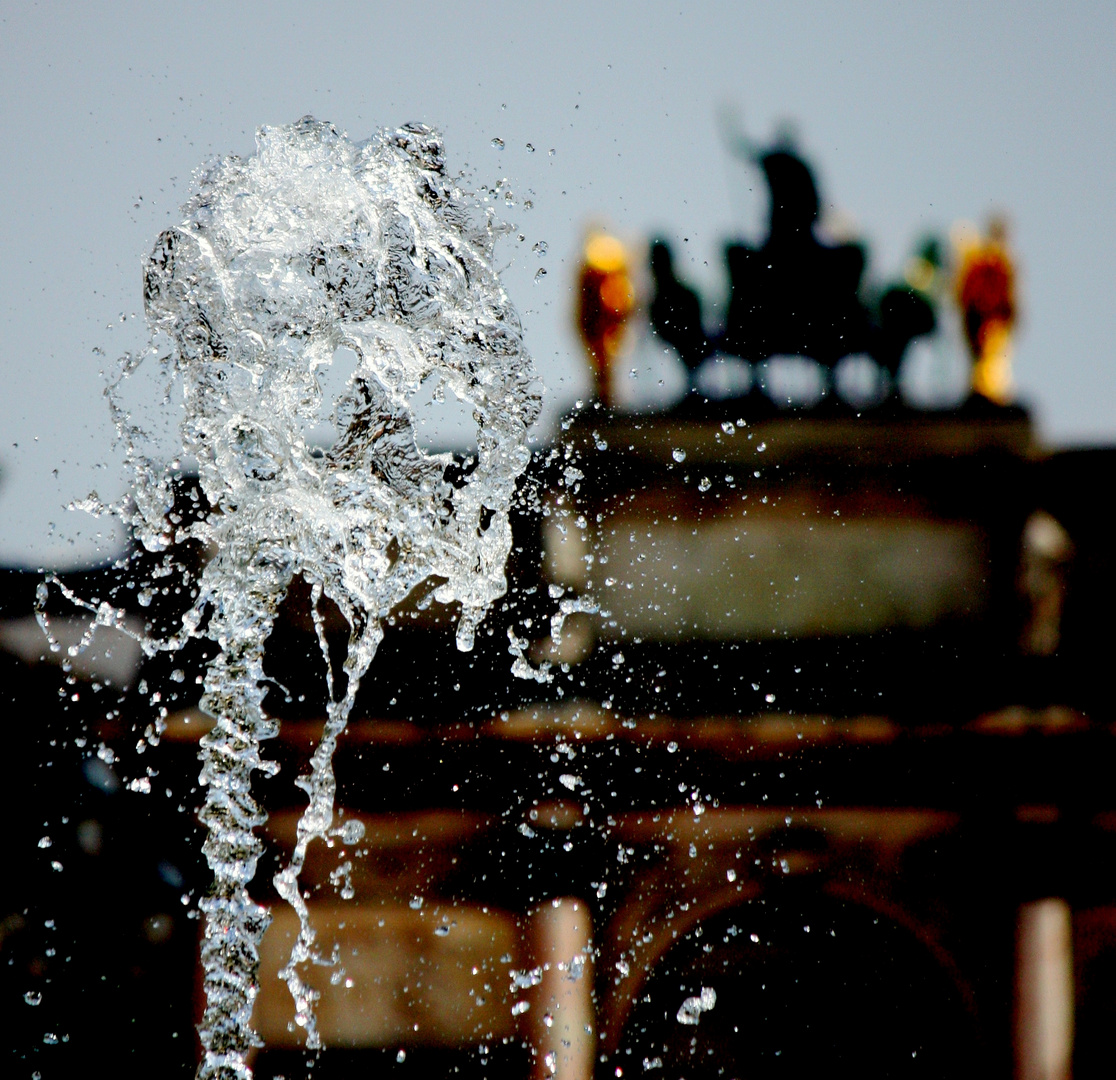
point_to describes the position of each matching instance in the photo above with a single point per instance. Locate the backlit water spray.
(317, 244)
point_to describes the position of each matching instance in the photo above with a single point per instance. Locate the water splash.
(312, 245)
(689, 1012)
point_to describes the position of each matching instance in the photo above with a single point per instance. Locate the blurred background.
(923, 775)
(914, 118)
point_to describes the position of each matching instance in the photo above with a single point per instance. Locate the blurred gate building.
(812, 768)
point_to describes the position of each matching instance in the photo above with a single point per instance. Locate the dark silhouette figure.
(794, 294)
(794, 197)
(903, 314)
(676, 311)
(905, 310)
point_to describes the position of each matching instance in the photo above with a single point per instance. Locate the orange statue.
(605, 300)
(985, 293)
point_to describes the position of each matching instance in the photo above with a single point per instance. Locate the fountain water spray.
(314, 244)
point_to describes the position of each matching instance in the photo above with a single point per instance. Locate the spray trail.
(314, 244)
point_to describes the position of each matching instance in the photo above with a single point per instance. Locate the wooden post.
(1044, 991)
(561, 1023)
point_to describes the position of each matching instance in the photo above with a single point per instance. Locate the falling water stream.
(316, 244)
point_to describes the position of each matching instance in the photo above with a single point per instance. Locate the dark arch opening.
(803, 986)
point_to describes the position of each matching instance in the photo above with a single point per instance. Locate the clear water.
(318, 248)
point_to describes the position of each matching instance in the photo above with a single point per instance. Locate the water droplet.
(762, 446)
(730, 874)
(672, 747)
(530, 149)
(540, 248)
(50, 1038)
(691, 1009)
(704, 484)
(416, 903)
(401, 1056)
(540, 274)
(728, 427)
(352, 831)
(45, 841)
(498, 144)
(33, 997)
(678, 455)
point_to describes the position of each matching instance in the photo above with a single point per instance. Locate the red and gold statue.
(605, 300)
(985, 291)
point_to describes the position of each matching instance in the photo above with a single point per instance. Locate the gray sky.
(915, 116)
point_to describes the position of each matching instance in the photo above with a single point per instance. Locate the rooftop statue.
(676, 311)
(795, 294)
(605, 299)
(906, 310)
(985, 293)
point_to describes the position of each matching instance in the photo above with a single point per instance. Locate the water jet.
(314, 245)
